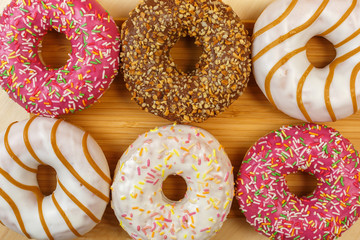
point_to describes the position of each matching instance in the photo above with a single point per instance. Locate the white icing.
(3, 4)
(193, 154)
(69, 141)
(285, 98)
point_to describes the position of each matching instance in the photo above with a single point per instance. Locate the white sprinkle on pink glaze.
(88, 72)
(273, 210)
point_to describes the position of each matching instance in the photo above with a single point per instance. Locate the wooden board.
(116, 121)
(246, 9)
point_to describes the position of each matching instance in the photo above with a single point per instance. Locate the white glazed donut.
(284, 73)
(83, 179)
(192, 153)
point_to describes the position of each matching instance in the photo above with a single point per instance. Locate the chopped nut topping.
(158, 86)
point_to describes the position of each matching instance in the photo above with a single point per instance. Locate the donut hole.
(46, 177)
(320, 51)
(301, 183)
(174, 188)
(186, 54)
(54, 50)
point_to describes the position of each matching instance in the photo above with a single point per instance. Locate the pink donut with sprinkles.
(273, 210)
(89, 71)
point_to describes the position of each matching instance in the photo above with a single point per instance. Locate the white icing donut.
(284, 73)
(192, 153)
(83, 179)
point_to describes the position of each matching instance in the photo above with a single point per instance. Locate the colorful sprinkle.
(19, 67)
(209, 187)
(318, 150)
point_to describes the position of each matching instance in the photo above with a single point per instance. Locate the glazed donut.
(88, 72)
(153, 78)
(272, 209)
(192, 153)
(284, 73)
(83, 179)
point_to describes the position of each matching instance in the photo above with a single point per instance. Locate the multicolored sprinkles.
(273, 210)
(91, 66)
(192, 153)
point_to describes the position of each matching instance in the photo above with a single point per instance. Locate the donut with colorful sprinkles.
(192, 153)
(89, 71)
(318, 150)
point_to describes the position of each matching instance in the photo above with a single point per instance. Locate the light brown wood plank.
(116, 121)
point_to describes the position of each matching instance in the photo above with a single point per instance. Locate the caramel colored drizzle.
(12, 154)
(342, 19)
(63, 214)
(78, 203)
(292, 32)
(91, 160)
(27, 142)
(271, 73)
(42, 219)
(16, 211)
(348, 39)
(276, 21)
(329, 79)
(332, 70)
(13, 181)
(354, 74)
(309, 69)
(69, 167)
(299, 93)
(37, 193)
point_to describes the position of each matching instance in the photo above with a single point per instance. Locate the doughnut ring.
(273, 210)
(88, 72)
(153, 78)
(83, 179)
(192, 153)
(285, 75)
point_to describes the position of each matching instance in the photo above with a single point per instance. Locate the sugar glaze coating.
(273, 210)
(83, 179)
(190, 152)
(91, 67)
(285, 75)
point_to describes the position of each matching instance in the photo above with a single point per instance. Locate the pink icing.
(264, 196)
(91, 66)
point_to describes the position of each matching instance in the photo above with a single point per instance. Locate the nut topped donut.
(266, 200)
(281, 67)
(89, 71)
(153, 78)
(192, 153)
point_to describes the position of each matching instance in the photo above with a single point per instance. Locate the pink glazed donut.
(272, 209)
(91, 66)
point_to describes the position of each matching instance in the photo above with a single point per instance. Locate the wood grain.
(246, 9)
(116, 121)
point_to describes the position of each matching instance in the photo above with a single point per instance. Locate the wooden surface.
(246, 9)
(116, 121)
